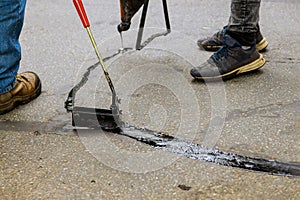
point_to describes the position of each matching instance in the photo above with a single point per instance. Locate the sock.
(246, 47)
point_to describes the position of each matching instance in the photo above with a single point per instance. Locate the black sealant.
(195, 151)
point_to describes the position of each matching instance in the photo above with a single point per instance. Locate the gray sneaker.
(215, 42)
(229, 61)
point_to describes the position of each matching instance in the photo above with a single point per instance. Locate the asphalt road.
(256, 115)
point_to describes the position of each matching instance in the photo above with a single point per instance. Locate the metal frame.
(143, 19)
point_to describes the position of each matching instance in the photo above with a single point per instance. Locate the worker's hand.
(128, 10)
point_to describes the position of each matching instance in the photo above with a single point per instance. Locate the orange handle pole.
(81, 12)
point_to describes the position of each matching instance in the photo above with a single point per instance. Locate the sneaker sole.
(255, 65)
(15, 102)
(261, 46)
(208, 48)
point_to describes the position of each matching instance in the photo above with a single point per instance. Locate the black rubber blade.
(95, 118)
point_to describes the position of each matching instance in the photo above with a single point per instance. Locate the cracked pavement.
(252, 115)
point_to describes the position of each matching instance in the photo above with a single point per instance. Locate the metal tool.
(129, 8)
(94, 117)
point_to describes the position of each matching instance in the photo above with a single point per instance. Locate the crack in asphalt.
(195, 151)
(170, 144)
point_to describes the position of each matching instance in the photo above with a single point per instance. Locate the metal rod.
(122, 42)
(168, 26)
(142, 24)
(103, 66)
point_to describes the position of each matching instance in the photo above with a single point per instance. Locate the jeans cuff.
(8, 88)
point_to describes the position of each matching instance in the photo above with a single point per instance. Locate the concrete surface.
(254, 115)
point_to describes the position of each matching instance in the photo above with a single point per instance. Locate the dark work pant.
(243, 21)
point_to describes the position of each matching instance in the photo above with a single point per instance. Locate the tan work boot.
(28, 87)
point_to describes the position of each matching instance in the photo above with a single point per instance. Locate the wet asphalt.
(255, 115)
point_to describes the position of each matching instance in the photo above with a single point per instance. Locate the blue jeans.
(11, 22)
(243, 21)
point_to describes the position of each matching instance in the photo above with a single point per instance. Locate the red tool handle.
(81, 12)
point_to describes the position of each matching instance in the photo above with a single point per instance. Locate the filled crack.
(196, 151)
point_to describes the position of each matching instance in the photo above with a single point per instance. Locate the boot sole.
(255, 65)
(16, 101)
